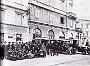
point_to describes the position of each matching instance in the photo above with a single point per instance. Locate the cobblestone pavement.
(61, 60)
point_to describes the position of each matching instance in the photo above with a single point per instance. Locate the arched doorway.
(37, 33)
(51, 34)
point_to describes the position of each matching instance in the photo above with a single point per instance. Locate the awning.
(71, 35)
(61, 34)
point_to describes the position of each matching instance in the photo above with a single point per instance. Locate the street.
(60, 60)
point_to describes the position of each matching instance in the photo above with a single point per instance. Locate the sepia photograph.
(45, 33)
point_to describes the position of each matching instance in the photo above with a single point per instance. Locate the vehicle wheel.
(73, 51)
(67, 52)
(84, 52)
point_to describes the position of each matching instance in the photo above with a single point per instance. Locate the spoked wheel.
(67, 52)
(84, 52)
(73, 51)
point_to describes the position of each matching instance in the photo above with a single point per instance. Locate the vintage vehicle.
(84, 49)
(67, 46)
(74, 45)
(56, 46)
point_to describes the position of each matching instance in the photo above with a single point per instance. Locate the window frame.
(20, 37)
(2, 15)
(62, 20)
(37, 11)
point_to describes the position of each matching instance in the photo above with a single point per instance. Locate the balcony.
(47, 7)
(71, 15)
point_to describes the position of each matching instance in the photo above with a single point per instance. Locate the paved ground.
(61, 60)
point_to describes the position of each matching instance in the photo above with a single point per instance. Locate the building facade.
(51, 19)
(83, 26)
(25, 20)
(14, 22)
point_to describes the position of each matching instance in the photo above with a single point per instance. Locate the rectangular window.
(62, 20)
(31, 12)
(2, 19)
(36, 13)
(51, 18)
(46, 15)
(18, 37)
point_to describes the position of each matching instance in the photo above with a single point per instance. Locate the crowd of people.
(28, 50)
(1, 52)
(21, 51)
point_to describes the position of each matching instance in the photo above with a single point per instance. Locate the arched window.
(36, 33)
(51, 34)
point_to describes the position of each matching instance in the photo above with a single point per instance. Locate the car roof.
(40, 38)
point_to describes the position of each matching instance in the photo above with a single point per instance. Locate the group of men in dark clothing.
(18, 51)
(53, 48)
(1, 52)
(29, 50)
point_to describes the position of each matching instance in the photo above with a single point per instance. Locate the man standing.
(43, 50)
(1, 52)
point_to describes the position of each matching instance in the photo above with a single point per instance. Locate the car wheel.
(84, 52)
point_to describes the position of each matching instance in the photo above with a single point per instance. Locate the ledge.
(31, 21)
(14, 25)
